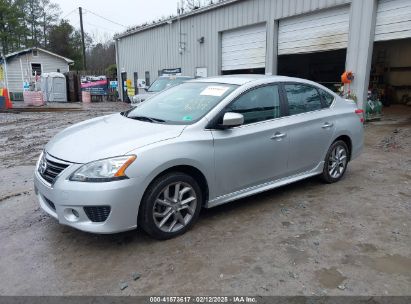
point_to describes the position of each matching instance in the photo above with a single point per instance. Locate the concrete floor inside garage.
(348, 238)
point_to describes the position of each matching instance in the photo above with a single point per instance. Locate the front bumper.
(58, 200)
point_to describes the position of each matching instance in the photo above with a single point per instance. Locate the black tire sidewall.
(145, 218)
(326, 175)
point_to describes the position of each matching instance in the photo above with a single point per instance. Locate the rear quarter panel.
(348, 123)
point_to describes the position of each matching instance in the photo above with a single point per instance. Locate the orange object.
(347, 77)
(123, 168)
(9, 104)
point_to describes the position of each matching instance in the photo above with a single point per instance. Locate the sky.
(122, 12)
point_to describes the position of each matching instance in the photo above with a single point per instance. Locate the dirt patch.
(330, 278)
(367, 247)
(24, 134)
(297, 256)
(392, 264)
(398, 139)
(3, 198)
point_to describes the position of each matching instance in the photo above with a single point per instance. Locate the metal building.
(313, 39)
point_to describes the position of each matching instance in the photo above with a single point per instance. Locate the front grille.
(50, 203)
(97, 213)
(49, 169)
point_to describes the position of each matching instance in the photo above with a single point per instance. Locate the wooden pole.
(82, 38)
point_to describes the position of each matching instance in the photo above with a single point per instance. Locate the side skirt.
(264, 187)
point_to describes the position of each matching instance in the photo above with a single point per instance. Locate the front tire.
(335, 163)
(171, 205)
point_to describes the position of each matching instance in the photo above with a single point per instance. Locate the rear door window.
(302, 98)
(327, 98)
(257, 105)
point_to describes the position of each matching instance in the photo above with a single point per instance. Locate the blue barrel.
(2, 103)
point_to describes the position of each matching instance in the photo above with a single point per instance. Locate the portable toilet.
(53, 86)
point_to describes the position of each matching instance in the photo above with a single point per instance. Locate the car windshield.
(183, 104)
(165, 82)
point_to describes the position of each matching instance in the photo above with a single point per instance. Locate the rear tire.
(335, 163)
(170, 206)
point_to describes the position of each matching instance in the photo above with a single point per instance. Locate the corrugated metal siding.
(157, 48)
(48, 62)
(244, 48)
(320, 31)
(393, 20)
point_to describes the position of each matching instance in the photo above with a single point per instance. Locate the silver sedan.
(203, 143)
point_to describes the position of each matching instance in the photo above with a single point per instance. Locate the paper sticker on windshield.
(214, 91)
(187, 118)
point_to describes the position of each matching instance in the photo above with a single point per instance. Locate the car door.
(257, 151)
(311, 128)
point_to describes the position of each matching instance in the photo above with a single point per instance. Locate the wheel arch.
(194, 172)
(348, 142)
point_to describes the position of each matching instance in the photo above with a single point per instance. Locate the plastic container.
(86, 97)
(33, 98)
(373, 110)
(2, 103)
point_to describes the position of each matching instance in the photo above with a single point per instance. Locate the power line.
(105, 18)
(99, 27)
(69, 13)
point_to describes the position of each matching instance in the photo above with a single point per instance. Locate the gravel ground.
(348, 238)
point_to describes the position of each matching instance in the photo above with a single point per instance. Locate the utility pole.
(82, 38)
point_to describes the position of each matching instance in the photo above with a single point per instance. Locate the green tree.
(33, 15)
(50, 13)
(111, 71)
(101, 55)
(66, 41)
(26, 23)
(12, 25)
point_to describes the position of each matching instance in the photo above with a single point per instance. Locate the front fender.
(154, 159)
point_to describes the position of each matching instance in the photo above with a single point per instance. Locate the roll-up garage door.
(393, 20)
(244, 48)
(321, 31)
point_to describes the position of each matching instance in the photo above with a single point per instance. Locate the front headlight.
(105, 170)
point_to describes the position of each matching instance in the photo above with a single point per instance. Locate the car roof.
(246, 78)
(174, 76)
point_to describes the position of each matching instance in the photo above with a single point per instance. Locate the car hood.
(107, 136)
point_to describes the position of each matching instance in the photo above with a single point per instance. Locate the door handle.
(278, 136)
(327, 125)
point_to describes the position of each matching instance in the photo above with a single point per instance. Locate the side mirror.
(231, 119)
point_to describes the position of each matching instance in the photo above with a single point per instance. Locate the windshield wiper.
(145, 118)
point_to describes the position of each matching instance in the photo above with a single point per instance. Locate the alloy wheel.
(174, 207)
(337, 161)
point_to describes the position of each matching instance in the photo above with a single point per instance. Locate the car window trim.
(322, 98)
(212, 125)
